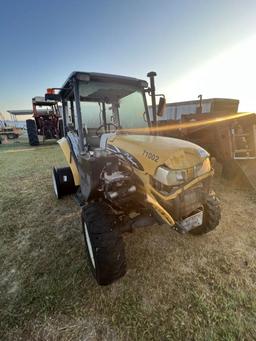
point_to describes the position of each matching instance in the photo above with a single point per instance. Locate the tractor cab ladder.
(244, 141)
(244, 150)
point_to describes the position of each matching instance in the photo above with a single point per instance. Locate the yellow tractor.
(126, 176)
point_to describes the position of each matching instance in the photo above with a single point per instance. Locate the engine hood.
(150, 152)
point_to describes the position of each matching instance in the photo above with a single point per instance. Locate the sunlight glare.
(229, 75)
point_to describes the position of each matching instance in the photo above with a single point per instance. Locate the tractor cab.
(46, 121)
(47, 115)
(97, 104)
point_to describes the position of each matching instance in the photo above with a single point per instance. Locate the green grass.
(176, 287)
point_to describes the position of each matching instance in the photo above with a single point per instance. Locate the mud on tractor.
(126, 176)
(47, 121)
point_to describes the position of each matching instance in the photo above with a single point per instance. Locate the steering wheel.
(99, 133)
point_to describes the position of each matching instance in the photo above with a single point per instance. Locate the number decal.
(150, 156)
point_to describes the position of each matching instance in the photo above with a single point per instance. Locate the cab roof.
(38, 100)
(101, 77)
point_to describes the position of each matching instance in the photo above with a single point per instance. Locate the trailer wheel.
(32, 132)
(12, 136)
(211, 218)
(63, 182)
(104, 245)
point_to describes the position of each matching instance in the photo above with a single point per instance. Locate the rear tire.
(104, 245)
(211, 217)
(63, 182)
(61, 128)
(32, 132)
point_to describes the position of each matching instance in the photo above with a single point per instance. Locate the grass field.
(176, 287)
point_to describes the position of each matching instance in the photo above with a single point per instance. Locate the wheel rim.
(89, 245)
(54, 185)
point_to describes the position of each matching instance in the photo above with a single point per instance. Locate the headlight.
(203, 168)
(169, 177)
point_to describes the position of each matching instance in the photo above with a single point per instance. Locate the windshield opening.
(108, 107)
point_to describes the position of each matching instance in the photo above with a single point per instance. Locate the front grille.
(185, 203)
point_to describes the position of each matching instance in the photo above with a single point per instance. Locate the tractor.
(124, 175)
(47, 121)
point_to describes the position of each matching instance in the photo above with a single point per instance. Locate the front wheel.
(211, 217)
(104, 245)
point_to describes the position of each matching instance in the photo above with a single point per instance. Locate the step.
(241, 135)
(242, 150)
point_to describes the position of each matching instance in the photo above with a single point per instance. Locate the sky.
(196, 47)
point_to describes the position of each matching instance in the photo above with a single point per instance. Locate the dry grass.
(176, 287)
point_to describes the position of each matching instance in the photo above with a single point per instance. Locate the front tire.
(104, 245)
(32, 132)
(211, 217)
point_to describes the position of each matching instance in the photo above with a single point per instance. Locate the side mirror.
(161, 106)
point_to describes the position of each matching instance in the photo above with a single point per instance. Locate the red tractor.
(47, 121)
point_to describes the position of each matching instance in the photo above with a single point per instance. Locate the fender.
(65, 147)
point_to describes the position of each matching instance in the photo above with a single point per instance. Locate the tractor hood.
(148, 152)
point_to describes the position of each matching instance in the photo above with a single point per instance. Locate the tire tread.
(107, 243)
(212, 216)
(32, 132)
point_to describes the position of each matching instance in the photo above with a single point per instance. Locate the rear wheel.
(104, 245)
(63, 181)
(211, 217)
(32, 132)
(61, 128)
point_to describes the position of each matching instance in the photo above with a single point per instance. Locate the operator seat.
(92, 139)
